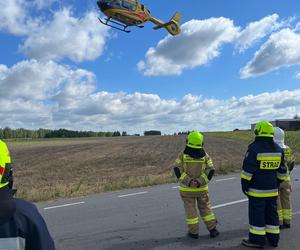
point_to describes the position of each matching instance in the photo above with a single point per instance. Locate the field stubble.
(51, 169)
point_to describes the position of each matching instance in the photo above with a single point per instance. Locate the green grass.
(241, 135)
(292, 138)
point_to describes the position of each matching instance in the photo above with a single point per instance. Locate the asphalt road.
(153, 218)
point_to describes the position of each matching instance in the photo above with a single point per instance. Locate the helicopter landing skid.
(108, 21)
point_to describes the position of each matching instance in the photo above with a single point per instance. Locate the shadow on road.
(226, 240)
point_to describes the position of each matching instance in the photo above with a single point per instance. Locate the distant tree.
(116, 133)
(22, 133)
(152, 132)
(108, 134)
(296, 116)
(7, 133)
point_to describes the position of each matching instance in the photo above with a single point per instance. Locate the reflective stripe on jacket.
(191, 168)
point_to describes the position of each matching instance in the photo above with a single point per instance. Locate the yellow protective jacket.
(289, 158)
(193, 169)
(4, 159)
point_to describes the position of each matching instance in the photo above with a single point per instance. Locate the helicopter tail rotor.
(172, 26)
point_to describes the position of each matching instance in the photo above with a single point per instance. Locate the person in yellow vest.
(194, 169)
(6, 172)
(284, 198)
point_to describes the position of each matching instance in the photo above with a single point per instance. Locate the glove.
(245, 186)
(210, 174)
(177, 172)
(292, 166)
(194, 183)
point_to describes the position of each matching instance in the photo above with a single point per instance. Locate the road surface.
(153, 218)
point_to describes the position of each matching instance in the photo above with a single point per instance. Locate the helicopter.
(120, 14)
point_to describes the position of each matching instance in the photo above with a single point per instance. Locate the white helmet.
(279, 137)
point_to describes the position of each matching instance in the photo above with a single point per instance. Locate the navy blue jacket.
(263, 168)
(21, 223)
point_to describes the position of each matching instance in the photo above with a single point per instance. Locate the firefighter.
(6, 158)
(263, 169)
(284, 198)
(194, 169)
(21, 225)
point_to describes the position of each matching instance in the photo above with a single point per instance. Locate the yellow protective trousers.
(284, 203)
(194, 202)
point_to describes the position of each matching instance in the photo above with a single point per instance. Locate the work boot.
(284, 226)
(248, 243)
(213, 233)
(193, 236)
(273, 244)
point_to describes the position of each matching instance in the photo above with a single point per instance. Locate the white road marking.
(230, 203)
(297, 212)
(65, 205)
(176, 187)
(133, 194)
(227, 179)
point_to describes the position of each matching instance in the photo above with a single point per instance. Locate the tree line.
(21, 133)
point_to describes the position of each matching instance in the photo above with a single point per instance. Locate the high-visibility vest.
(4, 159)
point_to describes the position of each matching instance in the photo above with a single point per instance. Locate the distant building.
(285, 124)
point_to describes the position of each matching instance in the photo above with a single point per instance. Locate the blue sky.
(235, 62)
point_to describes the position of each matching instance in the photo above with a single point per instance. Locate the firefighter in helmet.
(6, 173)
(194, 169)
(21, 225)
(284, 198)
(263, 170)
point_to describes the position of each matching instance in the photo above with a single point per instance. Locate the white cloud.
(199, 43)
(14, 17)
(259, 29)
(38, 81)
(281, 50)
(54, 36)
(78, 39)
(298, 75)
(45, 94)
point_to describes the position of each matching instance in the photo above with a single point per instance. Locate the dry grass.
(51, 169)
(67, 168)
(292, 138)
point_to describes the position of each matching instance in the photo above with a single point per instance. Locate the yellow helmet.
(195, 140)
(4, 161)
(264, 129)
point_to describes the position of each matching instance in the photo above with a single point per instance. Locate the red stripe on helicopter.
(142, 16)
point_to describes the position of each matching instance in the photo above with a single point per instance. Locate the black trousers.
(263, 220)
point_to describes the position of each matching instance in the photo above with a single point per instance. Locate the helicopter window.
(143, 7)
(128, 5)
(117, 3)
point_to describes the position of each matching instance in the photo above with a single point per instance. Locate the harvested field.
(50, 169)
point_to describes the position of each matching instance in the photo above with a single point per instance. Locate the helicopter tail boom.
(172, 26)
